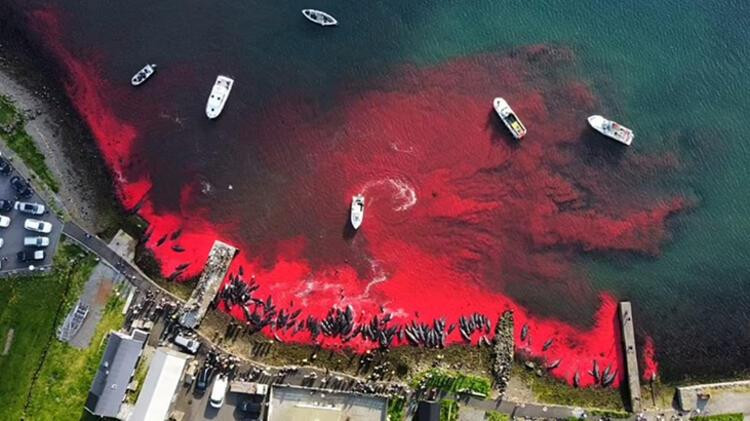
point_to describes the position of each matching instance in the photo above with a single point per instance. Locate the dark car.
(30, 255)
(6, 205)
(204, 379)
(21, 187)
(5, 168)
(251, 407)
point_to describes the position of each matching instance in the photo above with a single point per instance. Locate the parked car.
(188, 344)
(36, 241)
(6, 205)
(1, 242)
(4, 221)
(219, 391)
(251, 407)
(21, 187)
(204, 378)
(29, 255)
(5, 167)
(38, 226)
(28, 207)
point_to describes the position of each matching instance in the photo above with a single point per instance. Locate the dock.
(631, 359)
(219, 259)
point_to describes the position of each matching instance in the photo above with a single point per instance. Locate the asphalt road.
(99, 247)
(14, 234)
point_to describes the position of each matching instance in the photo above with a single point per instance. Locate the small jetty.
(631, 359)
(219, 259)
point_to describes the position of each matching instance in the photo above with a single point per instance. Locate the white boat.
(611, 129)
(146, 72)
(503, 110)
(358, 210)
(219, 94)
(319, 17)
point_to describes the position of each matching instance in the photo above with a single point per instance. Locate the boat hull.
(143, 75)
(509, 118)
(319, 17)
(357, 214)
(218, 96)
(611, 129)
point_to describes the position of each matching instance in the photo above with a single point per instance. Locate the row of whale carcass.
(340, 323)
(380, 329)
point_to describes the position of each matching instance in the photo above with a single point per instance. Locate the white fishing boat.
(358, 210)
(146, 72)
(611, 129)
(218, 97)
(319, 17)
(511, 121)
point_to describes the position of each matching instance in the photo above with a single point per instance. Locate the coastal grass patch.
(448, 410)
(452, 382)
(15, 136)
(550, 390)
(67, 372)
(33, 306)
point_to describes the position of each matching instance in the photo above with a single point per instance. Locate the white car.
(36, 241)
(219, 391)
(2, 242)
(38, 226)
(4, 221)
(28, 207)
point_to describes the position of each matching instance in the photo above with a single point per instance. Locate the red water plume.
(460, 217)
(650, 366)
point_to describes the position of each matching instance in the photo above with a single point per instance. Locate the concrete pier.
(631, 359)
(219, 259)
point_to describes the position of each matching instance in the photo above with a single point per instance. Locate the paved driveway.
(14, 234)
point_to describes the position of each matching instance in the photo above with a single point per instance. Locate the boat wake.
(404, 197)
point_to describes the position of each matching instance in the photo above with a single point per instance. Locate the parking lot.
(13, 235)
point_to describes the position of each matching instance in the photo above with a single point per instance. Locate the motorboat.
(319, 17)
(146, 72)
(218, 97)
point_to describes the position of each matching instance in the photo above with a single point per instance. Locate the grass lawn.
(67, 373)
(396, 409)
(725, 417)
(448, 410)
(34, 306)
(453, 382)
(22, 144)
(496, 416)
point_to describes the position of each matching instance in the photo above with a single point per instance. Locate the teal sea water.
(676, 72)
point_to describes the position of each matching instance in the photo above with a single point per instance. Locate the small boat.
(611, 129)
(218, 97)
(319, 17)
(146, 72)
(358, 210)
(503, 110)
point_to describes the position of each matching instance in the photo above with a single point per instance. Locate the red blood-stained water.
(458, 214)
(651, 367)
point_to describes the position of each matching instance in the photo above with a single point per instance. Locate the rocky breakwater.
(502, 351)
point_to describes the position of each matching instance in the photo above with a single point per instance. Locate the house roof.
(116, 368)
(160, 385)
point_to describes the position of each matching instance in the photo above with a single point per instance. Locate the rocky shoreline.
(87, 190)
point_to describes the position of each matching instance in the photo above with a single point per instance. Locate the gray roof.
(115, 371)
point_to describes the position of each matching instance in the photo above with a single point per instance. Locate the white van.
(219, 391)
